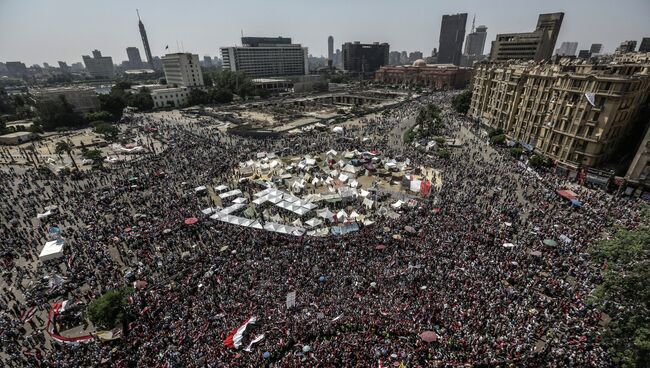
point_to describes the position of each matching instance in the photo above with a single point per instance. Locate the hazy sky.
(37, 31)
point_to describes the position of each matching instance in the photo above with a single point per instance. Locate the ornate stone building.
(574, 112)
(436, 76)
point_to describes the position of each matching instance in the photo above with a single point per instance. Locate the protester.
(356, 305)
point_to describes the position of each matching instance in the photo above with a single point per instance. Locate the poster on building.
(291, 299)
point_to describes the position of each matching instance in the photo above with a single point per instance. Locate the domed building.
(434, 76)
(419, 63)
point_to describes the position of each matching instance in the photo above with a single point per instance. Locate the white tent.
(343, 177)
(331, 153)
(52, 250)
(313, 222)
(207, 211)
(239, 200)
(338, 130)
(397, 204)
(325, 213)
(368, 203)
(202, 188)
(354, 215)
(256, 224)
(341, 215)
(364, 193)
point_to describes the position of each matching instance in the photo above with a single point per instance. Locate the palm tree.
(67, 148)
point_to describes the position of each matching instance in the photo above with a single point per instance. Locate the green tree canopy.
(107, 130)
(54, 114)
(198, 97)
(110, 308)
(98, 116)
(624, 293)
(141, 100)
(461, 101)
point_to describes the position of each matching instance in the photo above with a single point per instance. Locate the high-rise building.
(261, 57)
(64, 67)
(365, 57)
(413, 56)
(330, 48)
(645, 45)
(16, 69)
(403, 58)
(537, 45)
(98, 65)
(452, 34)
(394, 58)
(584, 54)
(135, 62)
(626, 46)
(567, 49)
(207, 61)
(182, 70)
(577, 113)
(145, 42)
(475, 41)
(77, 67)
(596, 48)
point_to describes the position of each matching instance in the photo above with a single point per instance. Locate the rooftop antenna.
(473, 21)
(182, 46)
(137, 11)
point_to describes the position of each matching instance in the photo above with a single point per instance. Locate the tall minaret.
(145, 41)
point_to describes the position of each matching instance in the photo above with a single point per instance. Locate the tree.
(443, 153)
(141, 100)
(67, 148)
(114, 103)
(538, 161)
(624, 293)
(95, 155)
(58, 113)
(98, 116)
(498, 139)
(461, 101)
(198, 97)
(220, 95)
(110, 308)
(516, 151)
(107, 130)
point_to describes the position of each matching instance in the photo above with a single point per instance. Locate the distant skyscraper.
(626, 46)
(365, 58)
(537, 45)
(207, 61)
(64, 66)
(98, 65)
(584, 54)
(135, 62)
(145, 42)
(413, 56)
(596, 48)
(475, 41)
(452, 34)
(645, 45)
(567, 49)
(330, 48)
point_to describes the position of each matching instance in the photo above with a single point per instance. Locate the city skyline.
(85, 26)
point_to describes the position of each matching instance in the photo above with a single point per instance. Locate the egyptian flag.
(27, 314)
(234, 339)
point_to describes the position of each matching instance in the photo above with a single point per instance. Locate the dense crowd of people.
(357, 303)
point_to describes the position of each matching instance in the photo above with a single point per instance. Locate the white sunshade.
(331, 153)
(341, 215)
(229, 194)
(313, 222)
(240, 200)
(52, 250)
(220, 188)
(343, 177)
(260, 200)
(397, 204)
(200, 189)
(207, 211)
(325, 213)
(217, 216)
(364, 193)
(256, 225)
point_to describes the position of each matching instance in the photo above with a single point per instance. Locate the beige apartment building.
(547, 106)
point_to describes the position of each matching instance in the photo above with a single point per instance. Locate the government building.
(435, 76)
(574, 112)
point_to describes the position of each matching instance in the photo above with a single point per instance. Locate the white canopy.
(229, 194)
(220, 188)
(202, 188)
(341, 215)
(207, 211)
(313, 222)
(52, 250)
(397, 204)
(331, 153)
(239, 200)
(338, 130)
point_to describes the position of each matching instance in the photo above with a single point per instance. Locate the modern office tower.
(365, 57)
(537, 45)
(261, 57)
(64, 67)
(207, 61)
(182, 70)
(575, 113)
(413, 56)
(16, 69)
(135, 62)
(596, 48)
(330, 48)
(403, 58)
(337, 58)
(145, 42)
(626, 46)
(645, 45)
(394, 58)
(584, 54)
(475, 41)
(452, 34)
(98, 65)
(567, 49)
